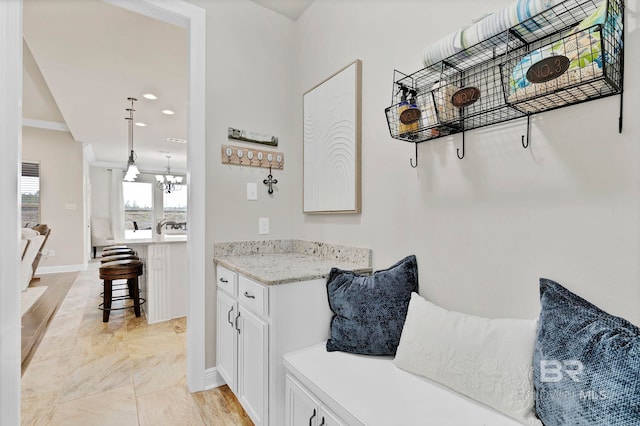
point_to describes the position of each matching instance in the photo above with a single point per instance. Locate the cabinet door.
(226, 347)
(327, 418)
(300, 406)
(253, 366)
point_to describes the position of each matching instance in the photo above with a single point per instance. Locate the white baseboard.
(212, 379)
(43, 270)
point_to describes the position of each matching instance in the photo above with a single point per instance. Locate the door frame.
(177, 12)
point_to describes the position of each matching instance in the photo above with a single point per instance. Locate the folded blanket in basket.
(582, 46)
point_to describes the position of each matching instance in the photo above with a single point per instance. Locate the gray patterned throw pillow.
(369, 311)
(586, 363)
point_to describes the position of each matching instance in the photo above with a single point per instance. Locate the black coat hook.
(525, 146)
(411, 159)
(458, 149)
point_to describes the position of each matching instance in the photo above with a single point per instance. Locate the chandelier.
(132, 170)
(168, 182)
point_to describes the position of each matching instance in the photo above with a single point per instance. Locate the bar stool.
(116, 247)
(130, 270)
(117, 252)
(115, 257)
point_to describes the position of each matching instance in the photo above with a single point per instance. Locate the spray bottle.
(408, 112)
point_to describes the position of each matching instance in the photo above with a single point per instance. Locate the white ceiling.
(92, 56)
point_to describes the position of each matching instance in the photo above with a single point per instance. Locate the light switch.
(252, 191)
(263, 225)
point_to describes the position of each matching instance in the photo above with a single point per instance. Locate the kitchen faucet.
(165, 222)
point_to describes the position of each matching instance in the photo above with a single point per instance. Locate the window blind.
(30, 192)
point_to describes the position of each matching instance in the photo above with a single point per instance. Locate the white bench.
(336, 388)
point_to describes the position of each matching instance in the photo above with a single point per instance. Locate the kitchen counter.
(158, 239)
(164, 282)
(274, 262)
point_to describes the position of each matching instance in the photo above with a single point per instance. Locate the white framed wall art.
(332, 113)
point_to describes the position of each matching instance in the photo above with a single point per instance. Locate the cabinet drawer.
(252, 295)
(227, 280)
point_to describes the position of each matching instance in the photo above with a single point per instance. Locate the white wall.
(100, 191)
(61, 194)
(250, 79)
(487, 227)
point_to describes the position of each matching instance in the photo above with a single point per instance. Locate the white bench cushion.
(372, 391)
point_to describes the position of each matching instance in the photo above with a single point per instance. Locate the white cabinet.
(242, 347)
(227, 338)
(303, 408)
(253, 367)
(256, 325)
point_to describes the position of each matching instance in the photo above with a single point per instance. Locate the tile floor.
(124, 372)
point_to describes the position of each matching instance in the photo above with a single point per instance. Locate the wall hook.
(620, 118)
(525, 146)
(458, 149)
(270, 181)
(411, 159)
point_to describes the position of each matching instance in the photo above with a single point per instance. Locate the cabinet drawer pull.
(322, 423)
(223, 280)
(229, 316)
(237, 328)
(249, 296)
(312, 417)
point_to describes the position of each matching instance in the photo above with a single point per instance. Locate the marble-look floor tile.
(114, 407)
(99, 345)
(55, 346)
(153, 339)
(37, 410)
(124, 372)
(158, 372)
(90, 376)
(170, 406)
(64, 324)
(95, 327)
(44, 376)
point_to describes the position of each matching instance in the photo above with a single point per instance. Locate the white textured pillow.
(489, 360)
(28, 233)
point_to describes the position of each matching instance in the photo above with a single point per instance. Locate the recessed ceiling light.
(141, 124)
(150, 96)
(168, 112)
(176, 140)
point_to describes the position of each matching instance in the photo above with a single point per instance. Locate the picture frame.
(332, 115)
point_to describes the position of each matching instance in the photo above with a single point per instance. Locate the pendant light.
(132, 170)
(168, 182)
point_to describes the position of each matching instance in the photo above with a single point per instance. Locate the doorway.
(177, 12)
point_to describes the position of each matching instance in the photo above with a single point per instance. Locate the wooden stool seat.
(116, 247)
(128, 269)
(118, 251)
(118, 257)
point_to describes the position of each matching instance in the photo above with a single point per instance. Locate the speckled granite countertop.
(281, 261)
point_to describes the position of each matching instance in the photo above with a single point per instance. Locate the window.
(138, 209)
(30, 191)
(175, 205)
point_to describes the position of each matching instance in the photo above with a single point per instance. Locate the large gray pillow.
(586, 363)
(369, 311)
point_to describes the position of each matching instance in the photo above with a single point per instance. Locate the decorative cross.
(270, 181)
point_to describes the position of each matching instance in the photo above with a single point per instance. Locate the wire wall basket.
(565, 55)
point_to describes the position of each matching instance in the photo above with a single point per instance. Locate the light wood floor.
(36, 320)
(124, 372)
